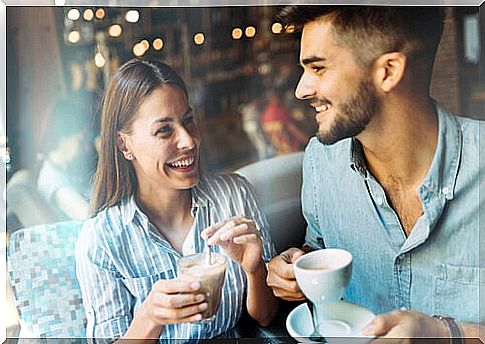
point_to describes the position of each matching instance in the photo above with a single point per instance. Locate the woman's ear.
(121, 142)
(389, 70)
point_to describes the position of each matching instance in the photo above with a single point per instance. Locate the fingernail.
(198, 317)
(200, 298)
(195, 285)
(203, 306)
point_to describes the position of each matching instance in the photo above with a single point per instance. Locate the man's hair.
(371, 31)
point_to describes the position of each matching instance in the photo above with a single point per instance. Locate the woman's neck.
(168, 211)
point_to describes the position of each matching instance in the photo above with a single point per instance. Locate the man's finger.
(380, 325)
(280, 267)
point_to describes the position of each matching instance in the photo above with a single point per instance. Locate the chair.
(42, 275)
(277, 183)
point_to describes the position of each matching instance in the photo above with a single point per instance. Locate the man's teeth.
(321, 108)
(182, 163)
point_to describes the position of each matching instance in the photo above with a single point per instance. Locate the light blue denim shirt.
(436, 270)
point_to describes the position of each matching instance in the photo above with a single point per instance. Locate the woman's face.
(164, 141)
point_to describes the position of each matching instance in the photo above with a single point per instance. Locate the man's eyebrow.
(312, 59)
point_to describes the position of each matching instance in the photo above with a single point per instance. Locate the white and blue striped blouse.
(120, 255)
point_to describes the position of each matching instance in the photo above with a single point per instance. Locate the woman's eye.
(189, 120)
(166, 129)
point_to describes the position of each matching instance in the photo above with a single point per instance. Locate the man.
(393, 177)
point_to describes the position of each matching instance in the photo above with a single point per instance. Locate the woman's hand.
(173, 301)
(240, 239)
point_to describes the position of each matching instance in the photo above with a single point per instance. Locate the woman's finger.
(180, 300)
(246, 239)
(176, 286)
(172, 314)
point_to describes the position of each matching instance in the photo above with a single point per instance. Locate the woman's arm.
(261, 304)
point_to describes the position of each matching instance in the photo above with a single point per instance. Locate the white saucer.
(348, 320)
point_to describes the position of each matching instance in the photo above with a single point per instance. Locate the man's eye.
(317, 69)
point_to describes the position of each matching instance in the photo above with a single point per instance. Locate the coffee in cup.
(210, 275)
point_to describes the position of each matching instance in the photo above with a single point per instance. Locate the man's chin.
(328, 139)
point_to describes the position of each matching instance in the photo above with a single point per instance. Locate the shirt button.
(380, 201)
(445, 190)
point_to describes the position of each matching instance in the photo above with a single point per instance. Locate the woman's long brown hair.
(115, 177)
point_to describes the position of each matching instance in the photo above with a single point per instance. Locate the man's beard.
(354, 115)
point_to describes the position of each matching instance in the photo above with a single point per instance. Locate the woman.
(150, 207)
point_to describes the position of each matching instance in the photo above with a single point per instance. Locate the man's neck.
(399, 146)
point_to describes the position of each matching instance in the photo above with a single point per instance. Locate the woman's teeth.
(182, 163)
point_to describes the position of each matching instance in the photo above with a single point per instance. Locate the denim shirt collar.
(441, 177)
(357, 160)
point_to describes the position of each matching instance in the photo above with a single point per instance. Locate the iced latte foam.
(210, 276)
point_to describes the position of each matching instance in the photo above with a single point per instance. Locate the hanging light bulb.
(250, 31)
(74, 37)
(157, 44)
(88, 14)
(132, 16)
(199, 38)
(115, 30)
(99, 60)
(237, 33)
(276, 28)
(73, 14)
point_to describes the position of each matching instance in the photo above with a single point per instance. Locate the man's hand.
(281, 277)
(402, 325)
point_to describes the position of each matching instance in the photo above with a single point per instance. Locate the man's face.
(335, 85)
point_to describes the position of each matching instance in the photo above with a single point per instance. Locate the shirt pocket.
(140, 287)
(457, 292)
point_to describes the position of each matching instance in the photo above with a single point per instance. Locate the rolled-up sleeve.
(106, 300)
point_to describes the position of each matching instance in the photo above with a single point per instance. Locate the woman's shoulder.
(103, 226)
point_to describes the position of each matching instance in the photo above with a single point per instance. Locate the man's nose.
(305, 88)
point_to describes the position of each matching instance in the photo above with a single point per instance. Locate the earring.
(129, 156)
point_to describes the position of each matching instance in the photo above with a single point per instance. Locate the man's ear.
(121, 142)
(389, 70)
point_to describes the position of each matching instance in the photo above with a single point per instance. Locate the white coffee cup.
(323, 275)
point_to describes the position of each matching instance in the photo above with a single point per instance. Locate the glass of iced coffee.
(209, 273)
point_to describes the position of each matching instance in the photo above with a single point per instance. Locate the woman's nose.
(305, 88)
(185, 140)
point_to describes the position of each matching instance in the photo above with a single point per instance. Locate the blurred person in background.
(251, 123)
(67, 161)
(150, 207)
(279, 125)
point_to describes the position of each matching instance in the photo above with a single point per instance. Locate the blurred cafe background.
(239, 65)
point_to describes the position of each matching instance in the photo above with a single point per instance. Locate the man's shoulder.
(470, 128)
